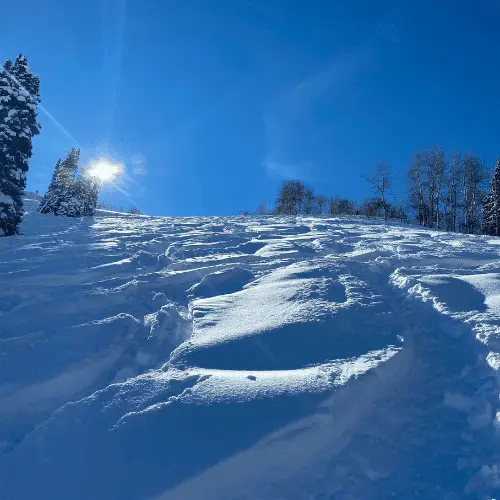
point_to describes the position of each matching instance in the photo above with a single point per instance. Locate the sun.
(105, 171)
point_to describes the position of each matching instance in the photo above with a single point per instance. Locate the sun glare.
(105, 171)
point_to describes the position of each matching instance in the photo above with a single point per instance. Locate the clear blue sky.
(211, 104)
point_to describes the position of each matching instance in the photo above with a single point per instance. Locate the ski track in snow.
(247, 358)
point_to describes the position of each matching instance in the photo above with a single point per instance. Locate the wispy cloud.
(287, 117)
(139, 164)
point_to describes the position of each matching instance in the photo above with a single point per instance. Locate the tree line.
(448, 193)
(296, 198)
(132, 210)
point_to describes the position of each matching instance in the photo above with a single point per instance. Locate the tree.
(290, 198)
(435, 167)
(416, 189)
(426, 176)
(262, 209)
(19, 98)
(101, 205)
(88, 192)
(321, 203)
(48, 201)
(474, 175)
(63, 194)
(134, 211)
(308, 200)
(333, 207)
(346, 207)
(381, 182)
(341, 206)
(491, 206)
(371, 207)
(71, 192)
(452, 191)
(397, 212)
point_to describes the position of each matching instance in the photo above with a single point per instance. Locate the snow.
(247, 358)
(10, 114)
(6, 199)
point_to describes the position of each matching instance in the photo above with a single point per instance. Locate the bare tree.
(262, 209)
(308, 200)
(451, 195)
(426, 177)
(473, 179)
(381, 182)
(416, 189)
(321, 202)
(333, 207)
(435, 168)
(299, 196)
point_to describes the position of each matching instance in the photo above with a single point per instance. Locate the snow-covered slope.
(247, 358)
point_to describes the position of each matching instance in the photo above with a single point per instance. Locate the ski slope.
(247, 358)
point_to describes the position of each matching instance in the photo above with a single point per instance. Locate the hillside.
(247, 358)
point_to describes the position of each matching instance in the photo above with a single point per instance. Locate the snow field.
(247, 358)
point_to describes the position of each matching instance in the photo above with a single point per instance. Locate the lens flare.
(105, 171)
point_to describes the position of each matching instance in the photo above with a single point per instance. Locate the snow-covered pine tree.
(71, 192)
(51, 195)
(19, 98)
(62, 196)
(89, 191)
(491, 207)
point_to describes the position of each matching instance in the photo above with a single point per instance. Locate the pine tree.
(491, 206)
(19, 97)
(71, 192)
(89, 191)
(62, 196)
(49, 199)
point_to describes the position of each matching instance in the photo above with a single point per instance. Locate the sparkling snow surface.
(247, 358)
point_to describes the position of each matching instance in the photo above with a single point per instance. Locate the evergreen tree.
(491, 207)
(49, 199)
(63, 193)
(88, 193)
(290, 198)
(70, 192)
(19, 98)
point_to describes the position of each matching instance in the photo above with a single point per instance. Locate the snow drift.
(247, 358)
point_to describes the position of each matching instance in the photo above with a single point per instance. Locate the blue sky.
(210, 105)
